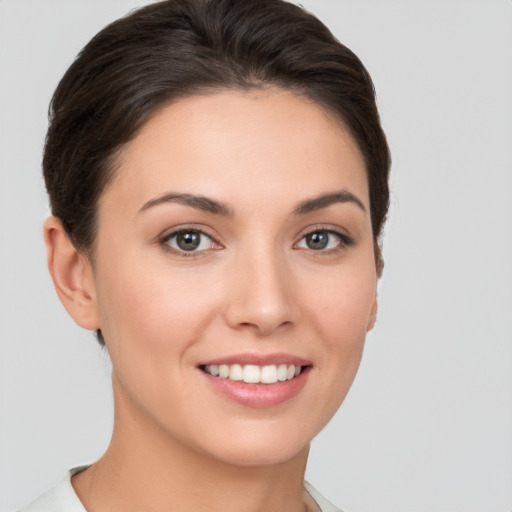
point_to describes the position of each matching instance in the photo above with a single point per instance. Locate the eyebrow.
(325, 200)
(195, 201)
(218, 208)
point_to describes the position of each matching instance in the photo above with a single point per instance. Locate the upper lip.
(258, 359)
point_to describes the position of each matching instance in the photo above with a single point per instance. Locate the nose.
(260, 293)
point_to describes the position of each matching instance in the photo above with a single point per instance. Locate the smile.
(254, 374)
(257, 380)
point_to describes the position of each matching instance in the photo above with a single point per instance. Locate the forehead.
(234, 145)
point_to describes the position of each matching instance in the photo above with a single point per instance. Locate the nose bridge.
(261, 289)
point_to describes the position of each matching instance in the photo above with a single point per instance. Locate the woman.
(217, 175)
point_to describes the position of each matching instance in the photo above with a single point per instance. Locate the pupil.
(317, 240)
(188, 241)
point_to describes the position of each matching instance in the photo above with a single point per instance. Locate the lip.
(258, 395)
(258, 359)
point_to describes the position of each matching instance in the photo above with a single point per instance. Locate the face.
(234, 273)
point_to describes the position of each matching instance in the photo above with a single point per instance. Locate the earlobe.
(373, 315)
(72, 275)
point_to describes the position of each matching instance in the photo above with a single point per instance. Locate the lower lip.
(259, 395)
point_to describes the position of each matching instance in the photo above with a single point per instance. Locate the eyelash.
(344, 241)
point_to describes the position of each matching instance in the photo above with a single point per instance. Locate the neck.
(145, 468)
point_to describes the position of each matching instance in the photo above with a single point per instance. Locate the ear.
(373, 314)
(72, 275)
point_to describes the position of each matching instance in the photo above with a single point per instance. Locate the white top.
(63, 498)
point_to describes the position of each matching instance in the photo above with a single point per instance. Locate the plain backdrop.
(427, 426)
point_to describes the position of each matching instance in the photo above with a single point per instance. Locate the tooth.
(269, 374)
(236, 372)
(254, 374)
(251, 373)
(282, 371)
(224, 371)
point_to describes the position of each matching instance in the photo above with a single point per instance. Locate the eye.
(323, 240)
(189, 241)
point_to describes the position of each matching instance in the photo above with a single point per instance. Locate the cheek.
(342, 304)
(341, 308)
(151, 309)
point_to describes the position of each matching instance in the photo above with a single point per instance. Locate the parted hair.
(178, 48)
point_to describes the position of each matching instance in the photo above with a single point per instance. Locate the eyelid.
(331, 228)
(198, 228)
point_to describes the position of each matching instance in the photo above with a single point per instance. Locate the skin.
(255, 286)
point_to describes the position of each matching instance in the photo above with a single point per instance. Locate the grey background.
(427, 425)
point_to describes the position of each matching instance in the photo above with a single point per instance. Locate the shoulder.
(324, 504)
(61, 498)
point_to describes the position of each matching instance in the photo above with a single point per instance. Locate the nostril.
(264, 327)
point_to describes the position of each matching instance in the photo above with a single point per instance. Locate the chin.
(258, 456)
(260, 446)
